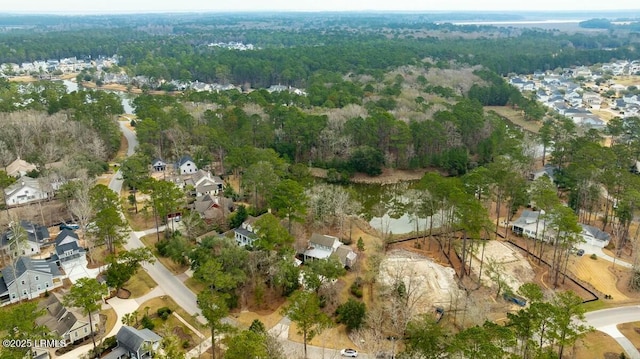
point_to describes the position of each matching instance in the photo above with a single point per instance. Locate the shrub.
(356, 287)
(352, 313)
(164, 313)
(185, 344)
(594, 256)
(147, 322)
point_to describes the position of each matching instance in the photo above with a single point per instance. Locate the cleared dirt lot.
(428, 283)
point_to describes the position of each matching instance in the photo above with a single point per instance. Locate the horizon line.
(239, 11)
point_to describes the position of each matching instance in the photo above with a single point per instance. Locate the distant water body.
(519, 22)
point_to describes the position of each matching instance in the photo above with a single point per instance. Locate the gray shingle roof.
(35, 233)
(322, 240)
(133, 339)
(64, 234)
(25, 263)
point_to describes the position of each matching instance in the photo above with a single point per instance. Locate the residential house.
(548, 170)
(19, 168)
(594, 236)
(158, 165)
(70, 324)
(135, 344)
(529, 226)
(31, 278)
(209, 207)
(27, 190)
(35, 236)
(246, 234)
(592, 100)
(68, 251)
(185, 165)
(522, 85)
(323, 246)
(205, 184)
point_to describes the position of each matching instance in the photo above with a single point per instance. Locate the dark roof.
(157, 159)
(245, 233)
(3, 285)
(184, 159)
(133, 339)
(35, 233)
(56, 318)
(25, 263)
(596, 232)
(64, 234)
(72, 246)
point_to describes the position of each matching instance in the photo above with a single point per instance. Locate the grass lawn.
(111, 318)
(632, 332)
(195, 285)
(595, 345)
(245, 319)
(140, 284)
(150, 242)
(597, 305)
(167, 301)
(139, 221)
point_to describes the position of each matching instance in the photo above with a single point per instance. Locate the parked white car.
(352, 353)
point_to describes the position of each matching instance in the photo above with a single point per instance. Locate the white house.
(68, 252)
(158, 165)
(26, 190)
(185, 165)
(206, 184)
(323, 246)
(246, 234)
(31, 278)
(527, 225)
(35, 235)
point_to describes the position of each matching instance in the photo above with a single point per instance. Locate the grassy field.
(515, 117)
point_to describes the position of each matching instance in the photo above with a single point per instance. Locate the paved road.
(606, 320)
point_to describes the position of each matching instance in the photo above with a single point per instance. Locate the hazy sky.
(119, 6)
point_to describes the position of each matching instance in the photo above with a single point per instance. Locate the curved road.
(606, 321)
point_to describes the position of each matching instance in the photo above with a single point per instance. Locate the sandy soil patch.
(517, 269)
(428, 283)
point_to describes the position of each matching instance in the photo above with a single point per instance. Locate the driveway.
(589, 249)
(606, 321)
